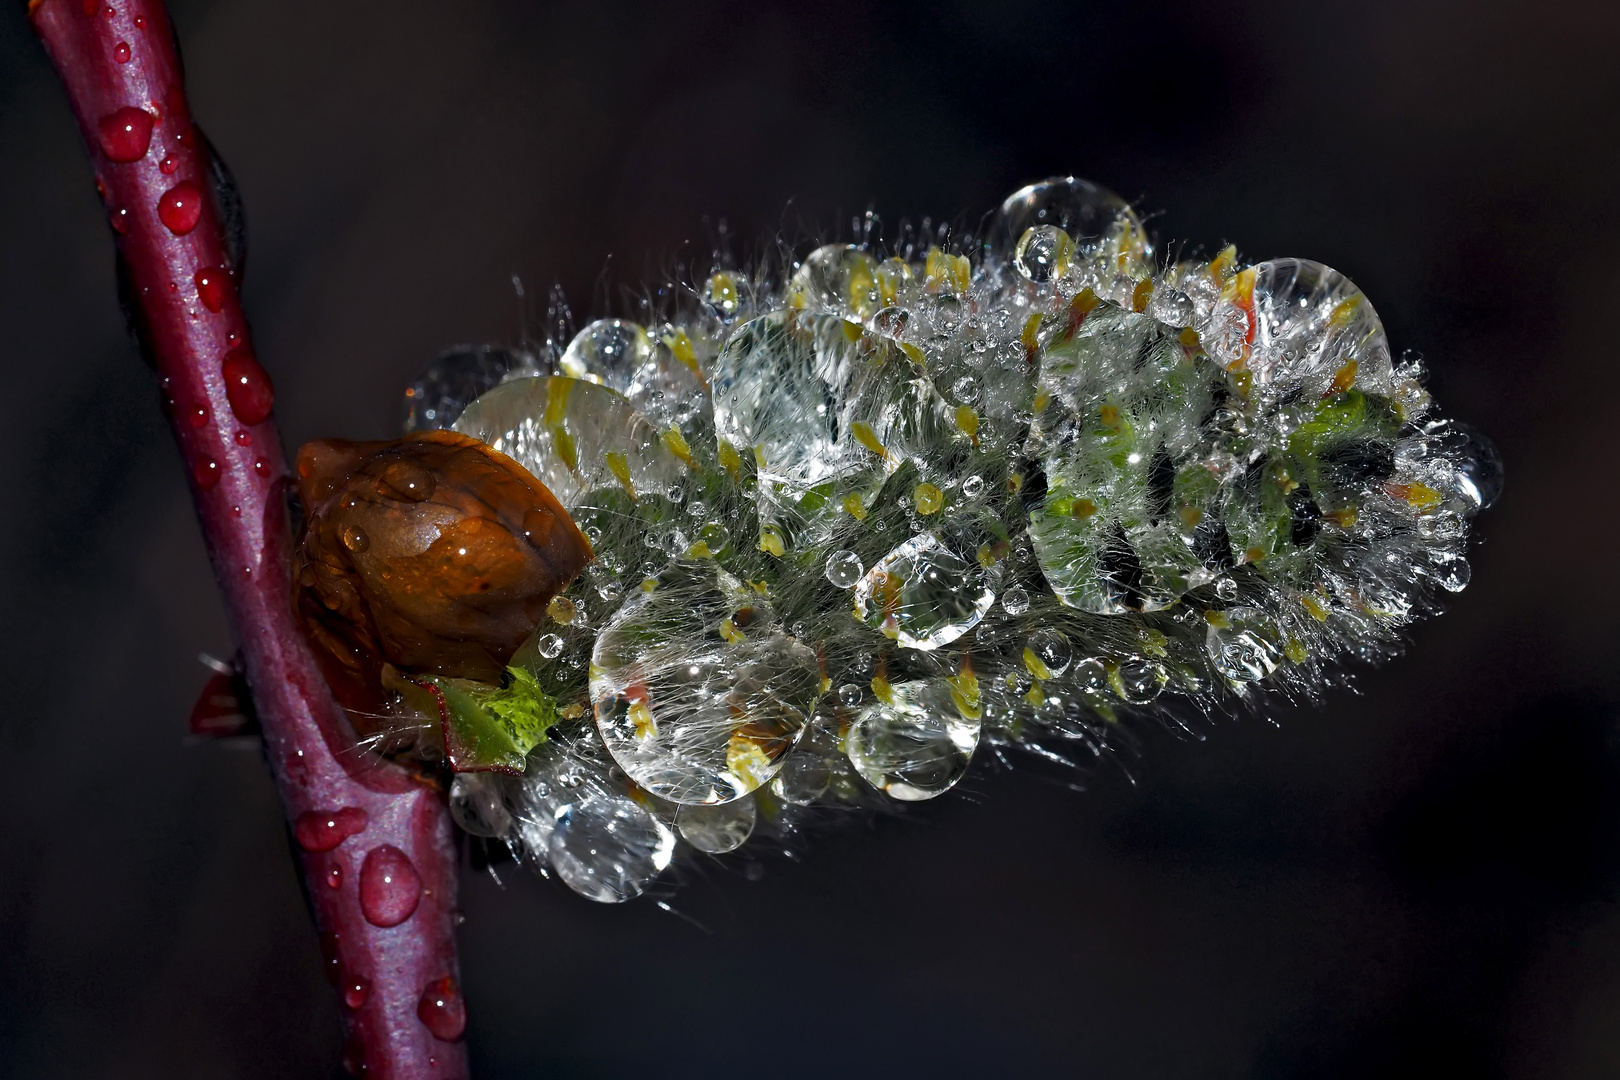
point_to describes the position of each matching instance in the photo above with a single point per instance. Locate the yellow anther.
(868, 438)
(620, 468)
(677, 446)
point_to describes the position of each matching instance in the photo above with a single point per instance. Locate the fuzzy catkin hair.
(855, 530)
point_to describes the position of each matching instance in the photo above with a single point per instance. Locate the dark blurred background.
(1422, 877)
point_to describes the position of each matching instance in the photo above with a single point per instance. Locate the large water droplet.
(574, 436)
(916, 745)
(180, 208)
(1085, 211)
(248, 388)
(323, 830)
(839, 279)
(454, 380)
(716, 829)
(924, 595)
(844, 569)
(1309, 322)
(442, 1010)
(697, 692)
(1051, 652)
(607, 848)
(125, 134)
(390, 887)
(1245, 648)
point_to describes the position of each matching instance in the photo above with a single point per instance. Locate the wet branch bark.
(374, 844)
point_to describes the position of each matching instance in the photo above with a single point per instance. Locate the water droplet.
(1053, 651)
(198, 417)
(697, 693)
(890, 322)
(323, 830)
(972, 488)
(1083, 210)
(549, 646)
(725, 293)
(916, 747)
(575, 437)
(119, 219)
(406, 481)
(1015, 601)
(1450, 570)
(924, 595)
(1226, 588)
(607, 848)
(262, 467)
(1171, 307)
(125, 134)
(355, 539)
(614, 352)
(1140, 680)
(334, 877)
(844, 569)
(1090, 676)
(442, 1011)
(247, 388)
(837, 278)
(121, 52)
(180, 208)
(716, 829)
(965, 389)
(390, 887)
(476, 804)
(454, 380)
(1245, 648)
(210, 288)
(356, 991)
(207, 473)
(1042, 253)
(169, 165)
(331, 957)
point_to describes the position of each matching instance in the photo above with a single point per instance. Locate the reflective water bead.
(1171, 307)
(477, 806)
(804, 778)
(972, 488)
(838, 278)
(1042, 253)
(1091, 676)
(1242, 645)
(1139, 680)
(924, 595)
(915, 746)
(697, 693)
(716, 829)
(1051, 652)
(1015, 600)
(608, 848)
(850, 695)
(614, 352)
(549, 646)
(453, 381)
(844, 569)
(1450, 570)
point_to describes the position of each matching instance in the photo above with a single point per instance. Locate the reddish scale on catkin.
(390, 887)
(125, 135)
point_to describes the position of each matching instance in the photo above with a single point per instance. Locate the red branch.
(374, 845)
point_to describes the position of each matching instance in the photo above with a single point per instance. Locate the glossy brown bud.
(434, 553)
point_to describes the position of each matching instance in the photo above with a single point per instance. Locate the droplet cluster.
(865, 519)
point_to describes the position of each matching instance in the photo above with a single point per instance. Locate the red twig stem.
(375, 845)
